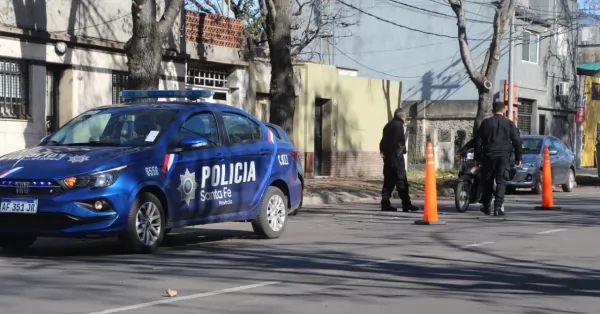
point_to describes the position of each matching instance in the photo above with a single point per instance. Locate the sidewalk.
(352, 190)
(347, 190)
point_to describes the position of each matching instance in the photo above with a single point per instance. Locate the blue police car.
(138, 169)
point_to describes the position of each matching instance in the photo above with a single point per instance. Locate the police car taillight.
(294, 154)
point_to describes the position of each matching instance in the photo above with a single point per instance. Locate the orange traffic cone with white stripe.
(547, 198)
(430, 210)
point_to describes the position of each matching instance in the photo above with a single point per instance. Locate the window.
(202, 124)
(14, 96)
(530, 47)
(114, 127)
(240, 129)
(558, 145)
(274, 132)
(120, 82)
(595, 91)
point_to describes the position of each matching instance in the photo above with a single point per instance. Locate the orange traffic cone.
(430, 211)
(547, 198)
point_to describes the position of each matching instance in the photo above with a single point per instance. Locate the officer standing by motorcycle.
(392, 148)
(495, 140)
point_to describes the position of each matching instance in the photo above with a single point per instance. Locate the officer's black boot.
(499, 211)
(409, 208)
(386, 206)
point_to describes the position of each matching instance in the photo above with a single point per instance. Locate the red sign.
(580, 114)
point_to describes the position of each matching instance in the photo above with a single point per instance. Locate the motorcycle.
(468, 189)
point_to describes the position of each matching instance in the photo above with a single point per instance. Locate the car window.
(531, 146)
(240, 129)
(203, 124)
(274, 132)
(114, 127)
(558, 145)
(549, 143)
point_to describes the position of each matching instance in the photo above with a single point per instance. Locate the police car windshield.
(114, 127)
(531, 146)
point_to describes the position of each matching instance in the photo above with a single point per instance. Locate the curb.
(346, 197)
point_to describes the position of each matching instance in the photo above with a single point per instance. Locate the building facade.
(60, 58)
(419, 47)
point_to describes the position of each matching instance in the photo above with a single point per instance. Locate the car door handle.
(263, 152)
(220, 156)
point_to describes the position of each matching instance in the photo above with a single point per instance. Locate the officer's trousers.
(394, 176)
(497, 168)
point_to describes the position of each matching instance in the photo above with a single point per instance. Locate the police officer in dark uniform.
(393, 147)
(495, 140)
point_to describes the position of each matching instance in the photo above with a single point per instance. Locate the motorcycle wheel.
(461, 196)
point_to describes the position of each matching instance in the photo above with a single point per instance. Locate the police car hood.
(52, 162)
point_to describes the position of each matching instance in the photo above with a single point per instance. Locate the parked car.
(562, 162)
(280, 134)
(138, 169)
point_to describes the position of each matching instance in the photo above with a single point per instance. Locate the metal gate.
(525, 111)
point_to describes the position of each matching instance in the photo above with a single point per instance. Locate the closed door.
(562, 164)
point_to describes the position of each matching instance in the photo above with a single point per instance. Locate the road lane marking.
(187, 297)
(475, 244)
(551, 231)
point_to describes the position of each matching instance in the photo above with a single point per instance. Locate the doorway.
(53, 75)
(318, 138)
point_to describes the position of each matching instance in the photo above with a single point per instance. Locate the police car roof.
(176, 105)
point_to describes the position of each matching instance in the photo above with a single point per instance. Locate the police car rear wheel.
(272, 219)
(16, 243)
(146, 225)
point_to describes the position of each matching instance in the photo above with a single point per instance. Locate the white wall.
(91, 86)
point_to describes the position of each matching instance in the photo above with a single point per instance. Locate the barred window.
(14, 96)
(120, 82)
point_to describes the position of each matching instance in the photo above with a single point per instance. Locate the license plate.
(19, 206)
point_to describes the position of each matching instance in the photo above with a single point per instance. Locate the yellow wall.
(592, 118)
(358, 110)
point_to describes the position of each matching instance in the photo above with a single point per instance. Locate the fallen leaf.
(170, 293)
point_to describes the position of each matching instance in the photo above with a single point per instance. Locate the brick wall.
(213, 29)
(347, 164)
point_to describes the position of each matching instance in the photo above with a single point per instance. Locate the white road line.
(551, 231)
(475, 244)
(187, 297)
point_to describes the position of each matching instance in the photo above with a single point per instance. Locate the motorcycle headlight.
(98, 179)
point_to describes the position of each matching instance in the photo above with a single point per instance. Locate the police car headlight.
(98, 179)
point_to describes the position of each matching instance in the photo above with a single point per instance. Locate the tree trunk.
(144, 49)
(281, 94)
(484, 105)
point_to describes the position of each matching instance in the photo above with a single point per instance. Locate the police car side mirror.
(190, 142)
(44, 139)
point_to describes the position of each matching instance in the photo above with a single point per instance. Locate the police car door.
(190, 178)
(250, 159)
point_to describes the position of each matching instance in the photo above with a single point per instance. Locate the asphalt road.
(347, 258)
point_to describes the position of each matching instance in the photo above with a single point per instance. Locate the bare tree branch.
(465, 51)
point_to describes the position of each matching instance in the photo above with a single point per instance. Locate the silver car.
(562, 162)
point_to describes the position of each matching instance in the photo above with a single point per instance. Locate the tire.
(275, 202)
(537, 188)
(16, 243)
(145, 204)
(568, 187)
(461, 196)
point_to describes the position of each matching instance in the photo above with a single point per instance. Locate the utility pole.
(511, 68)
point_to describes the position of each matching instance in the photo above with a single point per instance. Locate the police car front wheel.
(272, 219)
(145, 225)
